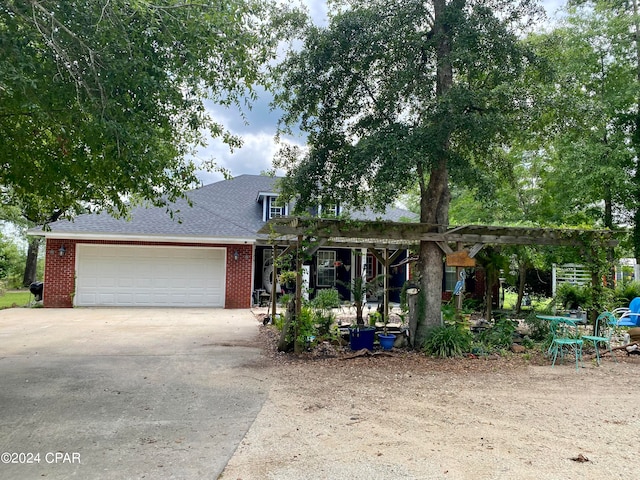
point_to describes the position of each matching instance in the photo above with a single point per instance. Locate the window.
(450, 279)
(326, 268)
(368, 267)
(329, 210)
(276, 210)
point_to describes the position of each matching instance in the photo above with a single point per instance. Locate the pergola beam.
(393, 235)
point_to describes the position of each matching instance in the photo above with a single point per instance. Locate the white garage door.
(118, 275)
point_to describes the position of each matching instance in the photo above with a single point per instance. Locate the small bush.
(323, 317)
(306, 327)
(538, 328)
(326, 299)
(285, 298)
(571, 296)
(448, 341)
(499, 335)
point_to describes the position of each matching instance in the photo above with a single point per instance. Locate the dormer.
(329, 211)
(271, 208)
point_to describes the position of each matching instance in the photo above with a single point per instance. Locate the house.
(209, 254)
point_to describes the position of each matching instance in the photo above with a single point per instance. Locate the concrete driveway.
(126, 393)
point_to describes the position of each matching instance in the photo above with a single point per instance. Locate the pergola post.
(458, 272)
(274, 284)
(296, 344)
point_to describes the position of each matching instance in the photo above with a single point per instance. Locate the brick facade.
(239, 285)
(60, 270)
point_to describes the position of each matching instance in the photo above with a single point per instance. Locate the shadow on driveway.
(126, 393)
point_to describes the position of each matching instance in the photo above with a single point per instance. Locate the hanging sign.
(460, 259)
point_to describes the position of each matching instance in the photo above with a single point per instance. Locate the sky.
(259, 128)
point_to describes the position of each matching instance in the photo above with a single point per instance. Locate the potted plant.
(385, 338)
(361, 335)
(287, 279)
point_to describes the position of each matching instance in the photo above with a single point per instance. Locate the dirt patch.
(411, 417)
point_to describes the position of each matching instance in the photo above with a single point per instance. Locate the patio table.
(561, 329)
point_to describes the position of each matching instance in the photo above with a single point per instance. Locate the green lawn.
(538, 304)
(15, 298)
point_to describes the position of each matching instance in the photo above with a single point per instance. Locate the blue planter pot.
(361, 337)
(386, 341)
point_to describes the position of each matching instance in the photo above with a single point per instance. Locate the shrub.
(323, 317)
(285, 298)
(500, 335)
(538, 328)
(571, 296)
(326, 299)
(448, 341)
(306, 327)
(625, 293)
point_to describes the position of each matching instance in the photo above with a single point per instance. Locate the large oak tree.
(393, 94)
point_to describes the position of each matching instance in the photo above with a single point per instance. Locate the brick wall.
(59, 274)
(239, 276)
(59, 271)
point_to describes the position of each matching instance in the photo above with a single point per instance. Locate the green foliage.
(625, 293)
(287, 277)
(12, 262)
(448, 312)
(324, 301)
(448, 341)
(498, 336)
(307, 330)
(570, 296)
(395, 94)
(278, 321)
(470, 305)
(538, 328)
(285, 298)
(359, 289)
(339, 88)
(106, 100)
(374, 317)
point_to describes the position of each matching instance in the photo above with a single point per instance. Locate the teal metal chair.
(605, 326)
(565, 337)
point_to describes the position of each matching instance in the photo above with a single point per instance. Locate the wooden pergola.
(382, 237)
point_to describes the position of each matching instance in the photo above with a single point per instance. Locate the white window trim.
(330, 267)
(268, 204)
(335, 207)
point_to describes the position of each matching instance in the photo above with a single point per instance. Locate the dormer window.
(276, 211)
(331, 210)
(271, 207)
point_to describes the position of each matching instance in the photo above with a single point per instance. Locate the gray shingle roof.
(223, 210)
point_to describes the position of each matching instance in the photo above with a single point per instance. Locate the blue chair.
(565, 337)
(605, 324)
(631, 316)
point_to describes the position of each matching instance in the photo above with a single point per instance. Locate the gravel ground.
(407, 416)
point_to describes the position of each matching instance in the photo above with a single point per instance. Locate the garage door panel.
(149, 276)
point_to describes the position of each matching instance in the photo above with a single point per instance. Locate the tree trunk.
(608, 223)
(488, 296)
(31, 266)
(522, 282)
(434, 197)
(430, 290)
(412, 303)
(284, 345)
